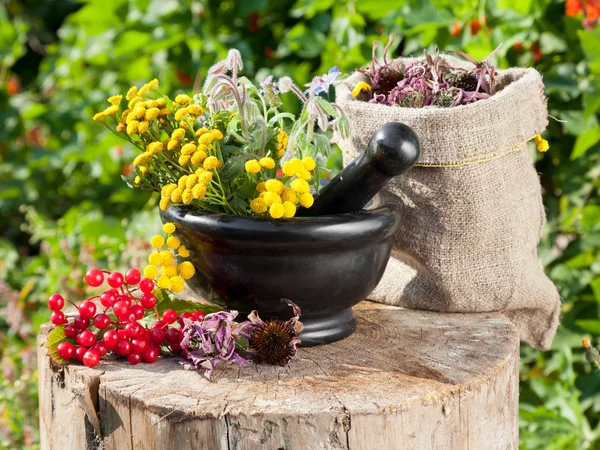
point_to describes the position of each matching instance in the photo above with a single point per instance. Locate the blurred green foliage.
(63, 204)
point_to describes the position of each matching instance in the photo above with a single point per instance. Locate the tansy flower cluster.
(541, 143)
(216, 151)
(162, 267)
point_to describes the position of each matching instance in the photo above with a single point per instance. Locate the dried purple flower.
(268, 88)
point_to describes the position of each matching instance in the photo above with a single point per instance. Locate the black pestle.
(392, 150)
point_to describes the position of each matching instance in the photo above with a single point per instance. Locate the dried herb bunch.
(431, 81)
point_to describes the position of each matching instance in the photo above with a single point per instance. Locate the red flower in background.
(573, 7)
(12, 85)
(536, 51)
(455, 29)
(589, 8)
(475, 27)
(518, 46)
(183, 77)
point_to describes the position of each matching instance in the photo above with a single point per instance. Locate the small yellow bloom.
(195, 110)
(111, 111)
(99, 117)
(307, 200)
(183, 99)
(541, 144)
(132, 127)
(164, 112)
(152, 113)
(164, 203)
(187, 270)
(192, 180)
(182, 182)
(276, 210)
(271, 198)
(303, 174)
(281, 136)
(288, 195)
(198, 157)
(143, 127)
(267, 163)
(176, 195)
(150, 86)
(137, 180)
(144, 170)
(309, 163)
(157, 241)
(141, 159)
(289, 210)
(164, 282)
(172, 145)
(167, 189)
(292, 167)
(169, 228)
(187, 196)
(199, 191)
(260, 187)
(300, 186)
(167, 257)
(151, 272)
(200, 170)
(184, 160)
(206, 138)
(177, 284)
(280, 153)
(155, 259)
(183, 252)
(161, 103)
(586, 342)
(178, 134)
(133, 102)
(115, 99)
(180, 114)
(275, 186)
(205, 178)
(252, 166)
(258, 206)
(131, 93)
(121, 128)
(170, 270)
(212, 162)
(361, 86)
(201, 131)
(154, 147)
(184, 125)
(217, 135)
(188, 149)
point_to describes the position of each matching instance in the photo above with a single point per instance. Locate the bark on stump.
(404, 380)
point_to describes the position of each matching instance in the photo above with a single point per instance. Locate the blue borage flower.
(322, 83)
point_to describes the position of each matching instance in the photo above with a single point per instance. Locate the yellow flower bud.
(152, 113)
(183, 99)
(183, 252)
(184, 160)
(258, 206)
(205, 178)
(177, 284)
(169, 228)
(198, 157)
(137, 180)
(271, 198)
(289, 210)
(164, 112)
(173, 143)
(138, 112)
(163, 282)
(212, 162)
(132, 127)
(275, 186)
(180, 113)
(300, 186)
(309, 163)
(306, 200)
(199, 191)
(167, 189)
(206, 138)
(192, 180)
(154, 258)
(292, 167)
(151, 272)
(170, 270)
(115, 99)
(176, 195)
(178, 134)
(157, 241)
(120, 127)
(217, 135)
(276, 210)
(187, 196)
(161, 103)
(182, 182)
(143, 127)
(288, 195)
(131, 93)
(111, 111)
(267, 163)
(260, 187)
(195, 110)
(187, 270)
(188, 149)
(201, 131)
(133, 102)
(167, 257)
(303, 174)
(154, 147)
(164, 203)
(252, 166)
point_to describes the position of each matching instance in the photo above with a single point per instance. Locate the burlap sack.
(474, 212)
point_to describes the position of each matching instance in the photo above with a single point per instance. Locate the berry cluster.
(92, 333)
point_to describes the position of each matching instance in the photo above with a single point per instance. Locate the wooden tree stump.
(404, 380)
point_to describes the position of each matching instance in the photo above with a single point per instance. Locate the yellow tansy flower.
(258, 206)
(173, 143)
(276, 210)
(275, 186)
(309, 163)
(164, 203)
(292, 167)
(169, 227)
(167, 257)
(217, 134)
(260, 187)
(187, 196)
(212, 162)
(161, 103)
(181, 113)
(187, 270)
(131, 93)
(115, 99)
(198, 157)
(199, 191)
(178, 134)
(182, 182)
(143, 127)
(152, 113)
(157, 241)
(167, 189)
(201, 131)
(300, 186)
(289, 210)
(288, 195)
(183, 252)
(164, 282)
(132, 127)
(267, 163)
(206, 138)
(154, 147)
(151, 272)
(184, 160)
(99, 117)
(205, 177)
(188, 149)
(195, 110)
(137, 180)
(271, 198)
(176, 195)
(541, 144)
(170, 270)
(121, 127)
(177, 284)
(173, 242)
(303, 174)
(155, 259)
(192, 180)
(307, 200)
(183, 99)
(252, 166)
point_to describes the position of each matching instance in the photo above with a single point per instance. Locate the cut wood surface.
(404, 380)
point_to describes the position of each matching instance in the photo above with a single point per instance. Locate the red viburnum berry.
(79, 352)
(169, 316)
(81, 322)
(116, 280)
(123, 347)
(139, 345)
(56, 302)
(91, 358)
(198, 316)
(146, 285)
(87, 309)
(58, 318)
(94, 277)
(133, 277)
(174, 336)
(137, 311)
(134, 358)
(151, 354)
(70, 331)
(159, 324)
(158, 336)
(86, 338)
(111, 338)
(102, 321)
(148, 301)
(121, 309)
(133, 329)
(109, 297)
(100, 347)
(175, 347)
(65, 350)
(183, 316)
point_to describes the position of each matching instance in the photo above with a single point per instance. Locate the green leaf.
(234, 167)
(584, 142)
(589, 325)
(55, 337)
(182, 305)
(330, 110)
